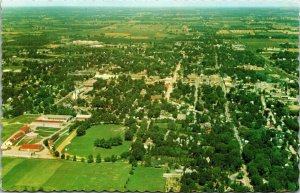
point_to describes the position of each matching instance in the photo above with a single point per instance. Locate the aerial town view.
(156, 99)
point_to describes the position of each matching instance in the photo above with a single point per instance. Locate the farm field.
(147, 174)
(206, 99)
(25, 174)
(84, 145)
(254, 44)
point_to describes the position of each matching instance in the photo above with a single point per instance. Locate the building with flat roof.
(64, 118)
(82, 117)
(25, 129)
(31, 147)
(55, 121)
(16, 137)
(47, 123)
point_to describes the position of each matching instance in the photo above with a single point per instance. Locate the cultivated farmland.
(49, 175)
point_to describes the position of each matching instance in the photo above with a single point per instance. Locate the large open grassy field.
(84, 145)
(147, 174)
(33, 174)
(10, 126)
(254, 44)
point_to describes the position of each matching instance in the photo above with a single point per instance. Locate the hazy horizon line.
(154, 6)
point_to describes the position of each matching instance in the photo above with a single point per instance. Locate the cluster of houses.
(28, 132)
(13, 140)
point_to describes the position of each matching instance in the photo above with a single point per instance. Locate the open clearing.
(147, 174)
(84, 145)
(48, 175)
(253, 44)
(165, 125)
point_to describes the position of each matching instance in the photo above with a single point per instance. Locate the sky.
(153, 3)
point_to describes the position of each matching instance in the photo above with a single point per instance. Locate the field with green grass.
(47, 175)
(30, 141)
(10, 126)
(60, 140)
(84, 145)
(46, 131)
(142, 175)
(165, 125)
(254, 44)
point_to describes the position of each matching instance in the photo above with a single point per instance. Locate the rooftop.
(31, 146)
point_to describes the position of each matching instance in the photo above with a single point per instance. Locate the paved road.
(66, 141)
(174, 79)
(197, 83)
(245, 179)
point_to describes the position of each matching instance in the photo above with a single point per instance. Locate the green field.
(10, 129)
(145, 174)
(25, 119)
(60, 140)
(254, 44)
(10, 126)
(30, 141)
(84, 145)
(49, 175)
(165, 125)
(46, 131)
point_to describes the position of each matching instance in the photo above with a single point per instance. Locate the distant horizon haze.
(150, 3)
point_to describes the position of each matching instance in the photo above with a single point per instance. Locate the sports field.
(40, 174)
(84, 145)
(147, 174)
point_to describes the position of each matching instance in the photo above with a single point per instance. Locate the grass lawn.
(10, 129)
(24, 141)
(165, 125)
(20, 174)
(253, 44)
(10, 126)
(147, 179)
(25, 119)
(49, 129)
(44, 133)
(60, 140)
(36, 140)
(30, 141)
(84, 145)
